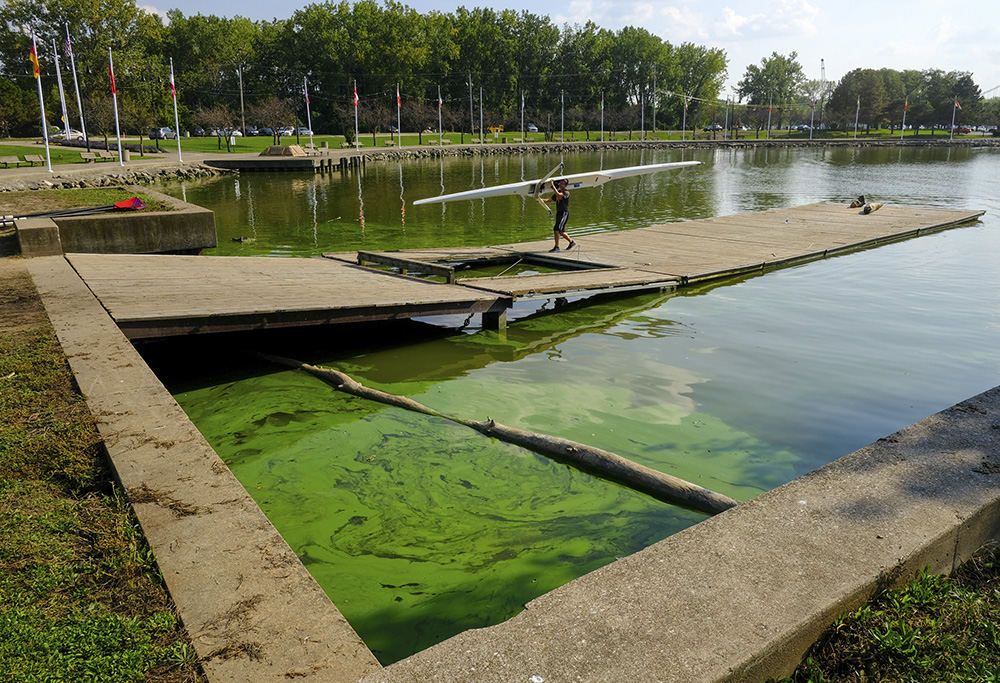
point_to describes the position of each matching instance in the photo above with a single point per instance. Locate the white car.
(286, 130)
(74, 135)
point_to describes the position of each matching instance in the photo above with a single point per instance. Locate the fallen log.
(602, 463)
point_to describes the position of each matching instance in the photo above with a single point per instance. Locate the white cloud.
(149, 9)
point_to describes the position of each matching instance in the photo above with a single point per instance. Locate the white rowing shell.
(576, 181)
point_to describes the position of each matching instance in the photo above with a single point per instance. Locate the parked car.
(393, 129)
(713, 128)
(532, 128)
(163, 133)
(302, 130)
(265, 131)
(198, 132)
(74, 135)
(962, 130)
(252, 130)
(286, 130)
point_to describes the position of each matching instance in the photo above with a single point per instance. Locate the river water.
(419, 529)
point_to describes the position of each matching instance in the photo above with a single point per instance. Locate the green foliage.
(936, 628)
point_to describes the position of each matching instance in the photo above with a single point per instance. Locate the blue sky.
(846, 34)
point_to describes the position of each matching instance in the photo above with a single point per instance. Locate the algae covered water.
(418, 528)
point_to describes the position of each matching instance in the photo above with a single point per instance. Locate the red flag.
(111, 73)
(957, 105)
(173, 88)
(355, 96)
(36, 70)
(906, 105)
(440, 102)
(398, 103)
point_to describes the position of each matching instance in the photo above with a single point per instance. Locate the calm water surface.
(419, 529)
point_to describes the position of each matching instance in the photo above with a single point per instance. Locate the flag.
(305, 94)
(355, 95)
(440, 102)
(906, 104)
(686, 104)
(111, 73)
(68, 47)
(36, 70)
(957, 105)
(602, 102)
(398, 101)
(173, 88)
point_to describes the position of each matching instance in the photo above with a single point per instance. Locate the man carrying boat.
(561, 198)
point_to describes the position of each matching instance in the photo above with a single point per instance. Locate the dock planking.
(156, 295)
(700, 250)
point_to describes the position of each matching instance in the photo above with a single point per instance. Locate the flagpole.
(243, 117)
(857, 112)
(902, 127)
(309, 121)
(951, 133)
(62, 94)
(725, 129)
(177, 125)
(522, 118)
(812, 119)
(562, 116)
(482, 138)
(114, 98)
(684, 119)
(440, 132)
(357, 143)
(770, 100)
(642, 117)
(602, 117)
(399, 118)
(76, 85)
(36, 70)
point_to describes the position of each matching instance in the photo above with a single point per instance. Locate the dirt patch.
(145, 494)
(20, 307)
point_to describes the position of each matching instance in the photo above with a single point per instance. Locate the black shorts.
(560, 225)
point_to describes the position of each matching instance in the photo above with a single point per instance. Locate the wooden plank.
(575, 281)
(404, 264)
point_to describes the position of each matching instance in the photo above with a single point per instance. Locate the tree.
(860, 92)
(272, 113)
(778, 80)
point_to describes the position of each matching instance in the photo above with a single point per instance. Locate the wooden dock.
(160, 296)
(156, 296)
(676, 254)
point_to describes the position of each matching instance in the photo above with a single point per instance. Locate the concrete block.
(38, 237)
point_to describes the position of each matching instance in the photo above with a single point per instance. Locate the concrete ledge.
(188, 228)
(38, 237)
(742, 596)
(252, 610)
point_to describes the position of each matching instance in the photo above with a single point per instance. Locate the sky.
(845, 34)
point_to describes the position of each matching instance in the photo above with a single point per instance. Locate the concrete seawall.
(186, 228)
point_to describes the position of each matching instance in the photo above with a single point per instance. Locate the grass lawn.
(36, 201)
(935, 629)
(81, 597)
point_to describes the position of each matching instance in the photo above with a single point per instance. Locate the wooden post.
(495, 321)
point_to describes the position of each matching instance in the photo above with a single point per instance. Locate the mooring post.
(495, 320)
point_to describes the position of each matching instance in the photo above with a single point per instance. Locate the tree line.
(231, 71)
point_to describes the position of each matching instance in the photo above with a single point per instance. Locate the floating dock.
(158, 296)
